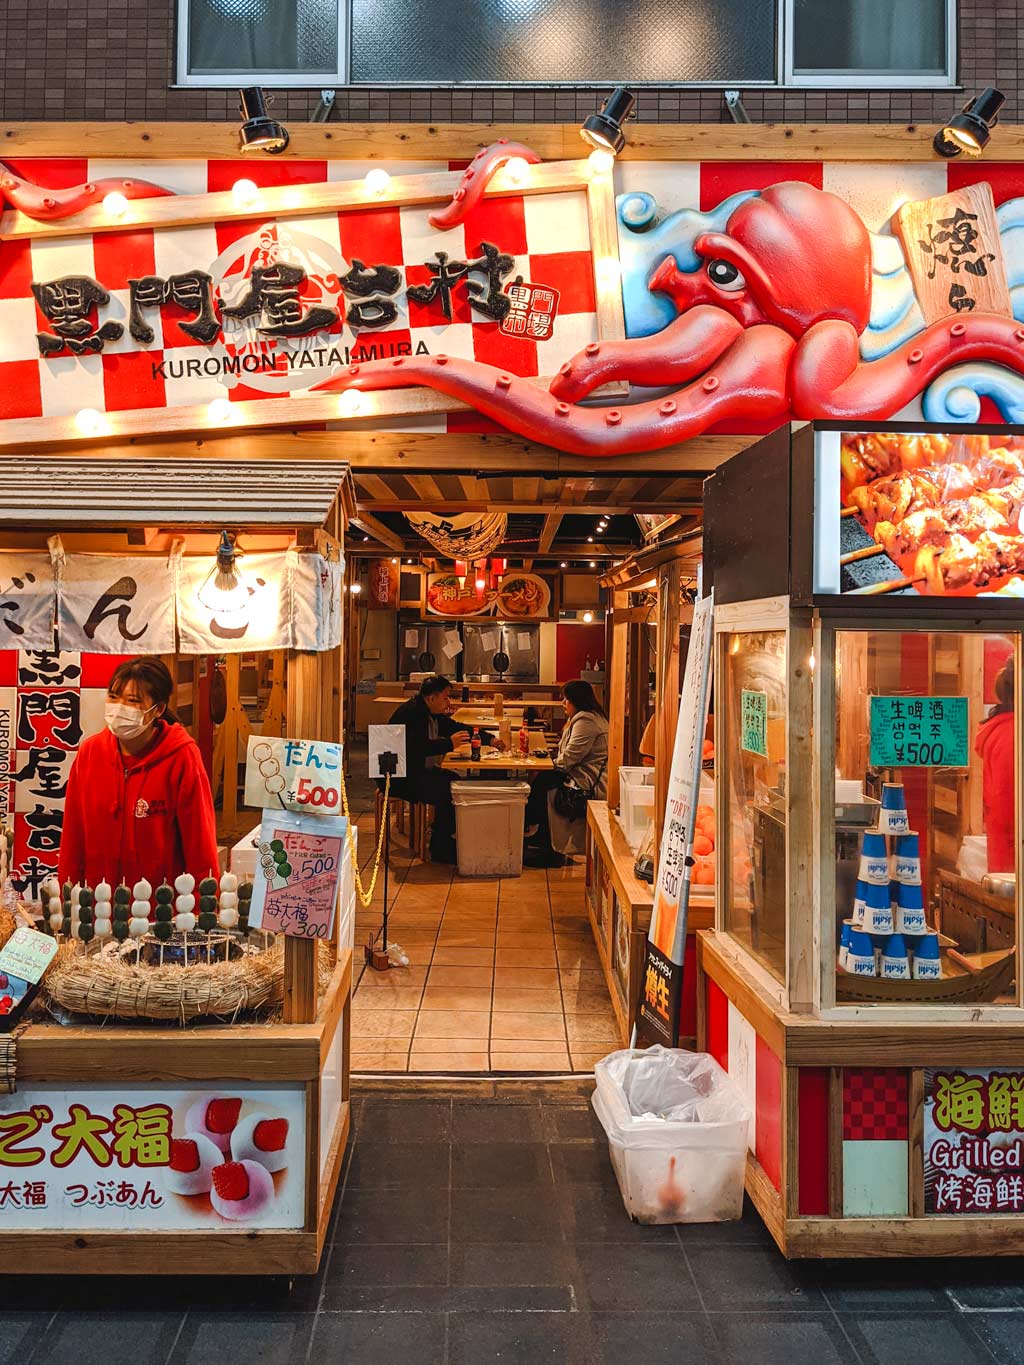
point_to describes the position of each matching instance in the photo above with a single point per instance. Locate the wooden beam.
(370, 526)
(425, 488)
(392, 503)
(877, 142)
(548, 532)
(465, 454)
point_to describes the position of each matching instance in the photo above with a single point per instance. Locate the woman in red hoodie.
(138, 801)
(995, 744)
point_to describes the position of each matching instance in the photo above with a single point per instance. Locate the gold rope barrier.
(366, 896)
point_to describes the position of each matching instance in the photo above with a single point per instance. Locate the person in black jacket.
(430, 733)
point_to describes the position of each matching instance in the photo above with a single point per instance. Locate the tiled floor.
(503, 975)
(473, 1228)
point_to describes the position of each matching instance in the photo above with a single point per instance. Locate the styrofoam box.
(636, 803)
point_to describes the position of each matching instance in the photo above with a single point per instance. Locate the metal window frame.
(791, 79)
(272, 80)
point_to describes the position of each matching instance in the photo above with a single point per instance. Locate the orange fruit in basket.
(705, 813)
(702, 846)
(704, 874)
(708, 750)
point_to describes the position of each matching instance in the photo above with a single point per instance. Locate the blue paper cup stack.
(927, 966)
(895, 963)
(874, 860)
(892, 818)
(860, 955)
(878, 917)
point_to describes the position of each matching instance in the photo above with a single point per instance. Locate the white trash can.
(489, 827)
(677, 1132)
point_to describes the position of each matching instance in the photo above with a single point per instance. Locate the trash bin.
(677, 1134)
(489, 827)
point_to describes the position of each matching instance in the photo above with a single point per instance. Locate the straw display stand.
(8, 924)
(102, 984)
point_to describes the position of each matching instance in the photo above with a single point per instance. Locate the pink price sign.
(296, 887)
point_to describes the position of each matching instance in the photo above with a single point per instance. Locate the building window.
(311, 43)
(882, 43)
(271, 42)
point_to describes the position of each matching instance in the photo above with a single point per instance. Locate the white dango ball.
(184, 903)
(56, 922)
(184, 921)
(260, 1138)
(103, 926)
(138, 927)
(51, 888)
(142, 891)
(229, 882)
(227, 919)
(185, 883)
(104, 891)
(193, 1158)
(228, 900)
(140, 909)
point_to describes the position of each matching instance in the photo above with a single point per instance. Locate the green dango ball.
(208, 887)
(163, 929)
(120, 913)
(120, 929)
(163, 914)
(85, 897)
(85, 932)
(164, 894)
(66, 890)
(245, 891)
(207, 921)
(207, 904)
(85, 914)
(122, 896)
(65, 926)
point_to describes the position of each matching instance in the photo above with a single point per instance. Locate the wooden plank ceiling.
(551, 516)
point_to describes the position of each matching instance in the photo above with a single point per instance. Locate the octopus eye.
(725, 275)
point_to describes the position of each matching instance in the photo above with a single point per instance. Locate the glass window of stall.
(751, 711)
(926, 744)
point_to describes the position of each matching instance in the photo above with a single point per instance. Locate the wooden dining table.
(502, 763)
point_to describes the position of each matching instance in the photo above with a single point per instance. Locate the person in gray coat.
(582, 758)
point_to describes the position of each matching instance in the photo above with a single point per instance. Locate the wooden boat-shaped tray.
(986, 984)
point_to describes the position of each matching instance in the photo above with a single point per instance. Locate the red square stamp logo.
(533, 311)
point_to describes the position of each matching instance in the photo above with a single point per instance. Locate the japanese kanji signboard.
(955, 253)
(293, 774)
(176, 316)
(919, 732)
(974, 1141)
(159, 1159)
(754, 723)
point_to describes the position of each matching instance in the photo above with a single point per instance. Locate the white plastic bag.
(973, 860)
(677, 1132)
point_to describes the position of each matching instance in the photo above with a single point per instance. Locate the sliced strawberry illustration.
(222, 1115)
(184, 1155)
(270, 1135)
(231, 1181)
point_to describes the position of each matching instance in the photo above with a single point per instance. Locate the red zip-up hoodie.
(994, 743)
(148, 815)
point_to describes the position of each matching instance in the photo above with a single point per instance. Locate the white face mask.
(125, 722)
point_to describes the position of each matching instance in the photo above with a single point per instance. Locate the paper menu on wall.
(452, 646)
(523, 639)
(490, 639)
(411, 639)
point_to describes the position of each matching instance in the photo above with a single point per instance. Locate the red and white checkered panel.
(174, 370)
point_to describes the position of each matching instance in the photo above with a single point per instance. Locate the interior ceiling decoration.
(465, 535)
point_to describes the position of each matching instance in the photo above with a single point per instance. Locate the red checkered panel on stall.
(875, 1105)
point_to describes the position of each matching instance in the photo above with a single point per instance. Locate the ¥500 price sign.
(293, 774)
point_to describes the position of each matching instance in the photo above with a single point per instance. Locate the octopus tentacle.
(829, 379)
(47, 206)
(475, 179)
(749, 384)
(681, 351)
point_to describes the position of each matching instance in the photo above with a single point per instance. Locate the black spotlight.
(604, 130)
(970, 130)
(259, 132)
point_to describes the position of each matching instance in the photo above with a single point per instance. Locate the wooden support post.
(304, 721)
(666, 704)
(616, 682)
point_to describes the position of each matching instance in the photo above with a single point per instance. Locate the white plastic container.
(677, 1133)
(489, 827)
(636, 803)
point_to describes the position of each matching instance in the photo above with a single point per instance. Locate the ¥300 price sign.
(919, 732)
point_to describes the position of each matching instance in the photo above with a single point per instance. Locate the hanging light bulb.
(245, 191)
(224, 592)
(115, 204)
(517, 168)
(351, 403)
(377, 181)
(355, 589)
(89, 422)
(219, 412)
(588, 616)
(601, 161)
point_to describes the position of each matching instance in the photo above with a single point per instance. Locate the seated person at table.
(430, 733)
(582, 758)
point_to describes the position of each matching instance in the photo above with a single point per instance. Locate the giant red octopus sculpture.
(49, 206)
(767, 331)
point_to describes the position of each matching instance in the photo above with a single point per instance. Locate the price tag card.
(293, 774)
(27, 954)
(919, 732)
(296, 886)
(754, 723)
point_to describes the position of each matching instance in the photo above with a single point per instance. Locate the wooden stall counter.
(619, 905)
(142, 1104)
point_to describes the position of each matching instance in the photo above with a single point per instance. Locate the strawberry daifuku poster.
(151, 1160)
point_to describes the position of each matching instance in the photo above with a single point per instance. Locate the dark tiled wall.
(114, 59)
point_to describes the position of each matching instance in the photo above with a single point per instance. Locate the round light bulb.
(394, 561)
(245, 191)
(115, 205)
(481, 584)
(351, 403)
(89, 422)
(593, 563)
(601, 161)
(590, 540)
(588, 616)
(219, 412)
(517, 168)
(355, 588)
(563, 565)
(377, 180)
